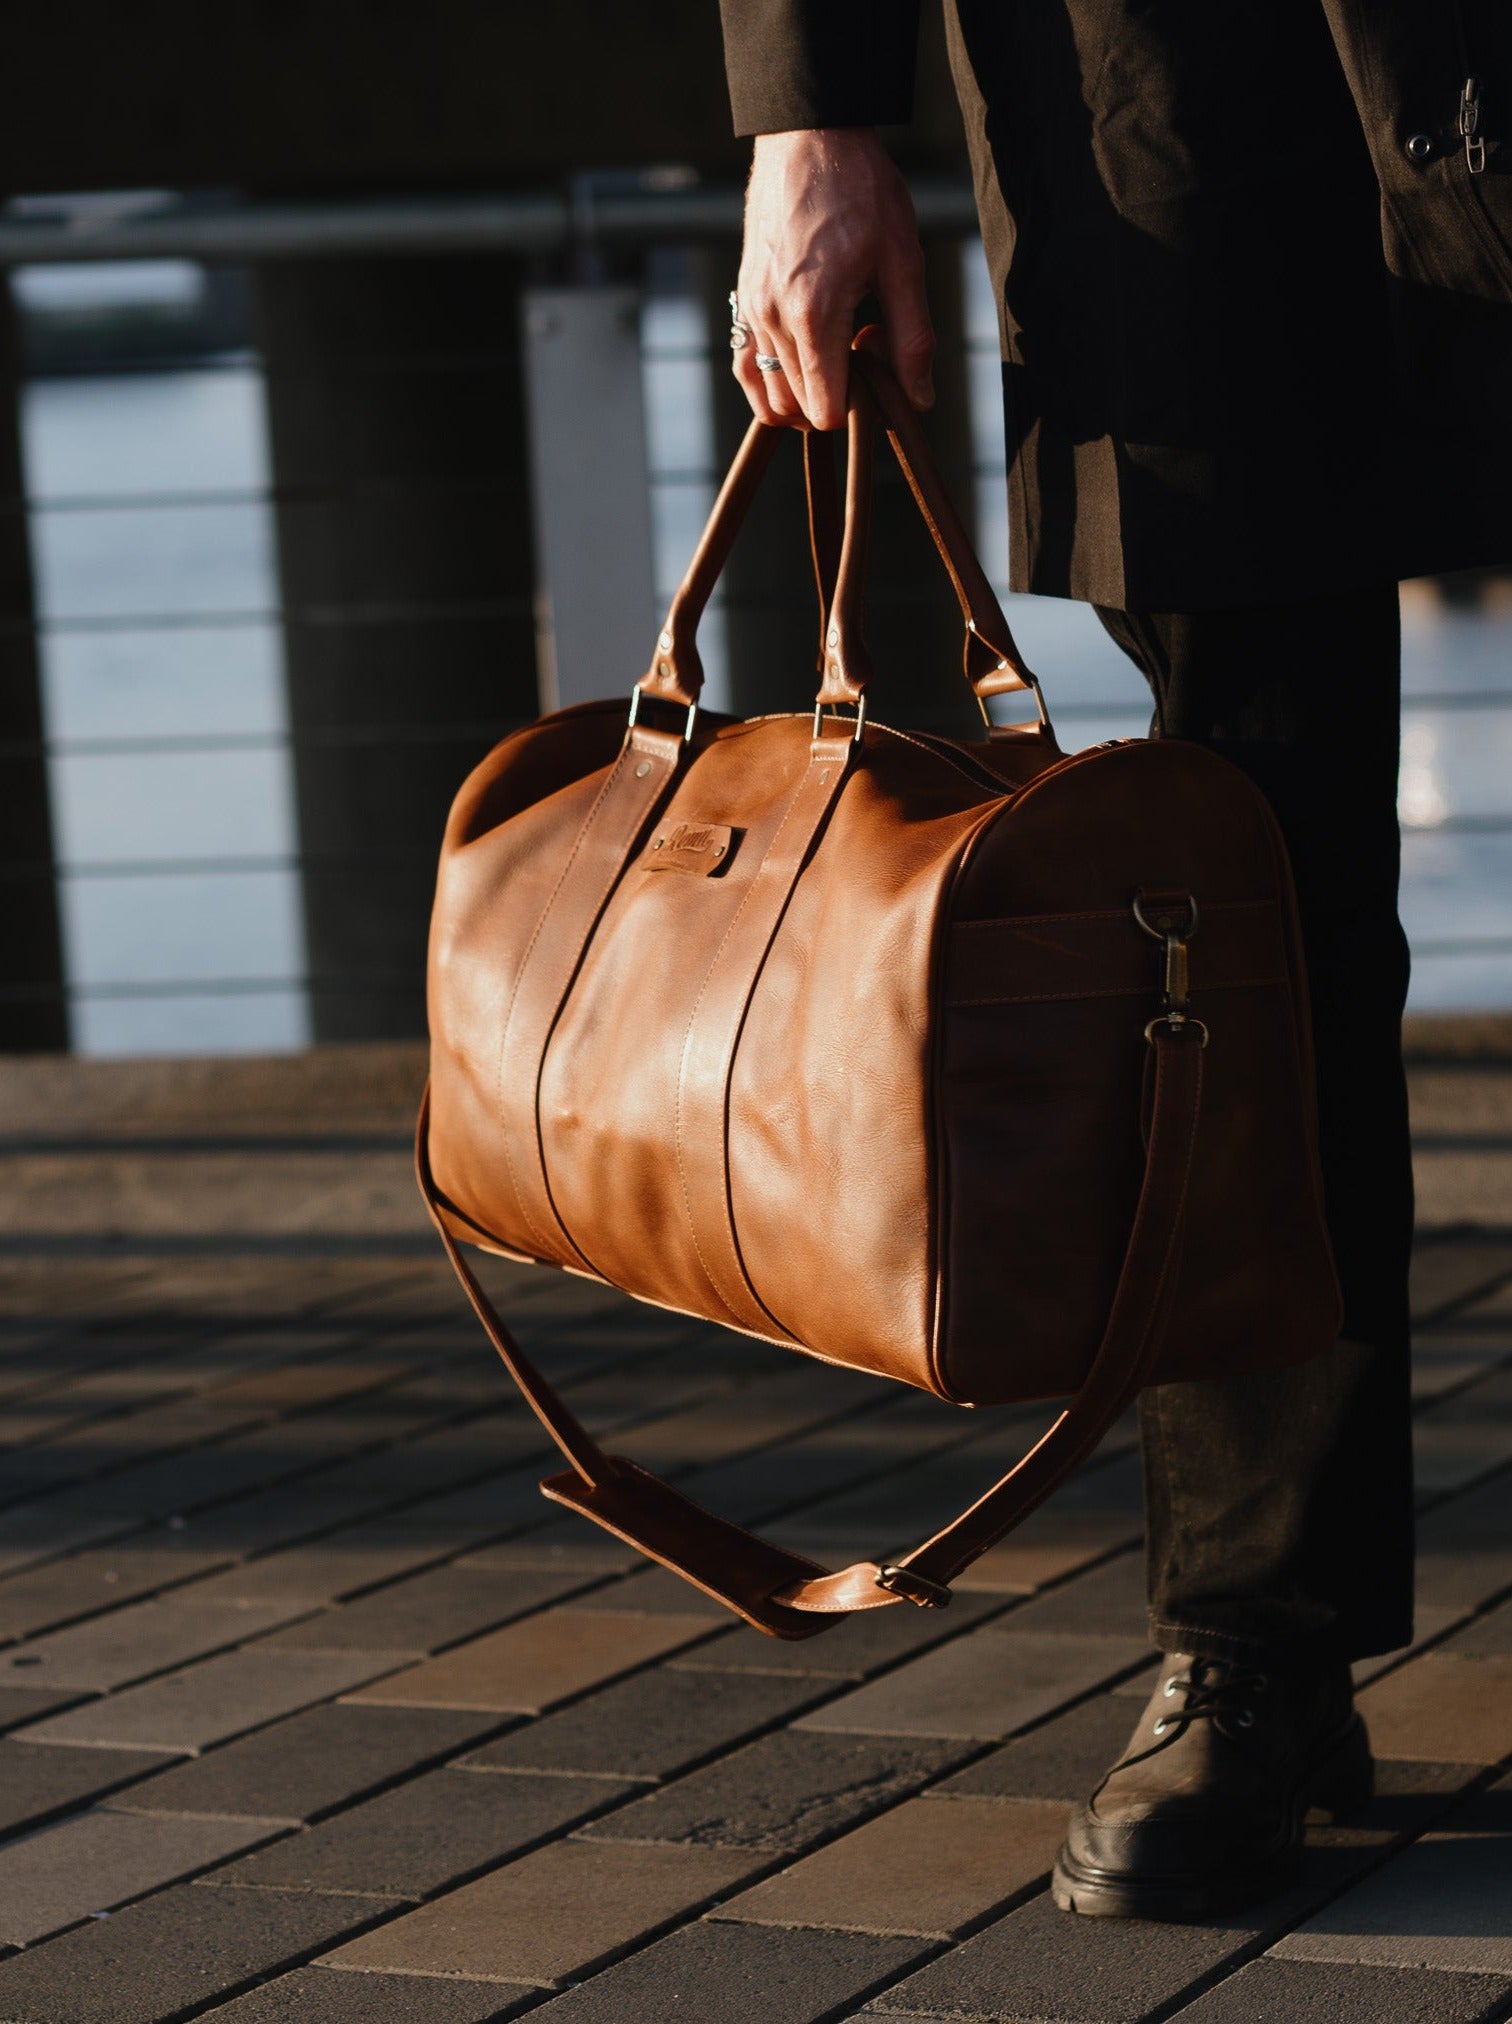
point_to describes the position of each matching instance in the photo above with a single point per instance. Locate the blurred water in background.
(157, 592)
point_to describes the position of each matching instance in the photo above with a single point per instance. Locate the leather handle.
(790, 1597)
(824, 525)
(991, 659)
(676, 671)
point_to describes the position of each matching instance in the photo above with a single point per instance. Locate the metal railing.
(183, 912)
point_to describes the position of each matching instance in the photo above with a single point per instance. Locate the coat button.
(1419, 147)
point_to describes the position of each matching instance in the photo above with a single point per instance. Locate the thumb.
(905, 312)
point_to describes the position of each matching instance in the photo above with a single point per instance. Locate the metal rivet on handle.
(643, 769)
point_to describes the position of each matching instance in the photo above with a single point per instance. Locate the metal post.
(33, 1014)
(592, 491)
(396, 413)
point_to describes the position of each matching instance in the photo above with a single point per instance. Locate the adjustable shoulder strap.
(790, 1597)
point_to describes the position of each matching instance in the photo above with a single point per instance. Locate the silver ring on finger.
(767, 361)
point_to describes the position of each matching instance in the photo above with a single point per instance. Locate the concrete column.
(914, 624)
(397, 421)
(33, 1014)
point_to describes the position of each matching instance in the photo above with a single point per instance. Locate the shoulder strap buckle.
(915, 1588)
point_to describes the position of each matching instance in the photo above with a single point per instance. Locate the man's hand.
(828, 217)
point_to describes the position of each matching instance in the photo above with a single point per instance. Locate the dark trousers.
(1279, 1508)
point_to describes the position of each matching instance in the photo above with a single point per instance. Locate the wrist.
(796, 140)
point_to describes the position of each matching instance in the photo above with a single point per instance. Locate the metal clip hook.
(1173, 934)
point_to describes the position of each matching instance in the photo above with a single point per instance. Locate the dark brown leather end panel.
(732, 1566)
(1043, 1052)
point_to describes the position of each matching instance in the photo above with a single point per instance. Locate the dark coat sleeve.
(811, 63)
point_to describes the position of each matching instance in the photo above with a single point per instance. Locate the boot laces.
(1211, 1693)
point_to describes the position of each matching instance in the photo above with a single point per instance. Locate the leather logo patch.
(703, 848)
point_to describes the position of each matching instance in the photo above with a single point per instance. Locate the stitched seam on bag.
(939, 1168)
(999, 922)
(1112, 991)
(520, 975)
(677, 1136)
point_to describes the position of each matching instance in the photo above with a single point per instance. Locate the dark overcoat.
(1254, 266)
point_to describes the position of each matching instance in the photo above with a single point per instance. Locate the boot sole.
(1340, 1783)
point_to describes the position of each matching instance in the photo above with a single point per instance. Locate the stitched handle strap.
(992, 662)
(790, 1597)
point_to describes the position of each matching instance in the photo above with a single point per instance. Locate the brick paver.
(531, 1665)
(728, 1974)
(552, 1916)
(849, 1650)
(428, 1832)
(784, 1792)
(986, 1686)
(1459, 1708)
(1488, 1636)
(172, 1952)
(1061, 1759)
(21, 1705)
(320, 1996)
(99, 1859)
(931, 1867)
(1294, 1992)
(299, 1674)
(100, 1577)
(652, 1726)
(303, 1766)
(150, 1637)
(217, 1699)
(1041, 1963)
(38, 1780)
(428, 1612)
(1445, 1902)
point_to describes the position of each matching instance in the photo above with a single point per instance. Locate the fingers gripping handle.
(992, 661)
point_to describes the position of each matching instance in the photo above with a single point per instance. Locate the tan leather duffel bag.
(975, 1065)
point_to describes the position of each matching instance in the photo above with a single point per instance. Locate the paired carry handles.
(991, 660)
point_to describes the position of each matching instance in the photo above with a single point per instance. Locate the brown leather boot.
(1205, 1810)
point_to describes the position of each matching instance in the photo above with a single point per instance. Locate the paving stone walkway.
(313, 1710)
